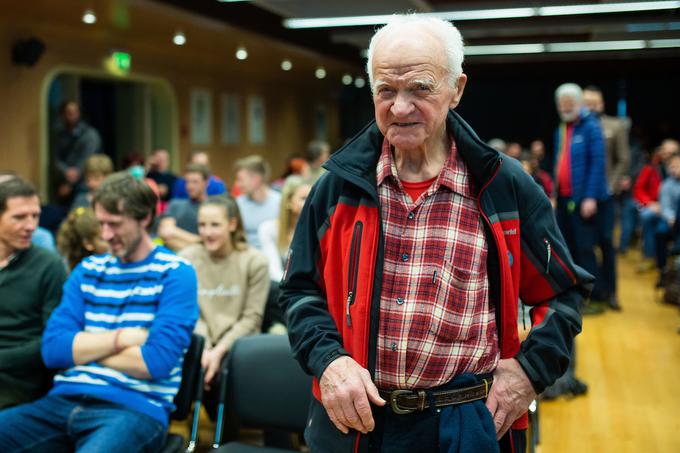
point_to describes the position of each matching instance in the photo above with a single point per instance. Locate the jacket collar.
(357, 160)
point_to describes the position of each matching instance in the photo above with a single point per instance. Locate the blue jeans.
(650, 221)
(580, 234)
(629, 218)
(59, 423)
(605, 282)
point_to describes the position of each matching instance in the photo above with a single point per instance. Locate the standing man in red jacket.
(409, 258)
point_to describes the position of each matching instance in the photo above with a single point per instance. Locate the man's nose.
(403, 104)
(107, 233)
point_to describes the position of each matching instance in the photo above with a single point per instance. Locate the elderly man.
(402, 283)
(617, 165)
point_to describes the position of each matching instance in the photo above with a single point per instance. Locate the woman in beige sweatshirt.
(233, 282)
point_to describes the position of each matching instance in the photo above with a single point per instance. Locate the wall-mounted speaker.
(27, 51)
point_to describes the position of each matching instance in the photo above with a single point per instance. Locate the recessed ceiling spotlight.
(179, 39)
(241, 53)
(286, 65)
(359, 82)
(320, 72)
(346, 79)
(89, 17)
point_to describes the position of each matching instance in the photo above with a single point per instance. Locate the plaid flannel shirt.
(436, 320)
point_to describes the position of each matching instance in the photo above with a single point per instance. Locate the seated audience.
(119, 336)
(669, 197)
(215, 184)
(257, 202)
(232, 285)
(30, 287)
(179, 225)
(79, 237)
(97, 168)
(646, 196)
(275, 235)
(159, 171)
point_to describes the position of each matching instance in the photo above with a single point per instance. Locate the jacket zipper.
(353, 274)
(548, 249)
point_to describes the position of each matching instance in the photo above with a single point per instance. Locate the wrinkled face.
(593, 101)
(122, 233)
(297, 200)
(18, 222)
(196, 185)
(412, 94)
(215, 228)
(568, 109)
(71, 114)
(248, 181)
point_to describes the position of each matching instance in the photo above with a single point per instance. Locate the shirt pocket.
(458, 291)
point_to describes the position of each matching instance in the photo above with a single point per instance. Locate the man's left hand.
(510, 395)
(588, 208)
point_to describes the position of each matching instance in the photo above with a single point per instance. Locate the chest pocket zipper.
(353, 270)
(548, 249)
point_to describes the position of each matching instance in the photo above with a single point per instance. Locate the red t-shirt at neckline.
(415, 189)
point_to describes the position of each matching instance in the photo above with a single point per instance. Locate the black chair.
(266, 389)
(190, 392)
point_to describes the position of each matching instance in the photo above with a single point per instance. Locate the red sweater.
(646, 188)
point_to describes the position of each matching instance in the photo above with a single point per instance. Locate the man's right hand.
(346, 389)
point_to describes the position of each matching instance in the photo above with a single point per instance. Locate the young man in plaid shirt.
(402, 283)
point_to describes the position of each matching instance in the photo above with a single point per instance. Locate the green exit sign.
(122, 61)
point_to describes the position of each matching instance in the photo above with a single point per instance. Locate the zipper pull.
(549, 249)
(524, 316)
(350, 298)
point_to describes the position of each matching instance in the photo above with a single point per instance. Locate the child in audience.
(232, 285)
(79, 237)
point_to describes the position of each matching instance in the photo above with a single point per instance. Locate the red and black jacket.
(332, 281)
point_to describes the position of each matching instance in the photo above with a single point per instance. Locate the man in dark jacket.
(409, 258)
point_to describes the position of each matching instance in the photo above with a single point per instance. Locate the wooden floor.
(631, 363)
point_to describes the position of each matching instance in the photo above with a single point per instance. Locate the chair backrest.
(191, 369)
(266, 388)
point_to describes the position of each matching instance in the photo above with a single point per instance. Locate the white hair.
(447, 34)
(569, 90)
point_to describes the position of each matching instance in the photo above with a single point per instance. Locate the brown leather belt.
(407, 401)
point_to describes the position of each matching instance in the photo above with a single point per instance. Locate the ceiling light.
(589, 46)
(486, 14)
(320, 73)
(359, 82)
(600, 8)
(663, 43)
(179, 39)
(504, 49)
(89, 17)
(286, 65)
(346, 79)
(241, 53)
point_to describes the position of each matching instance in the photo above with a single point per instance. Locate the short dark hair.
(198, 168)
(121, 193)
(15, 187)
(315, 149)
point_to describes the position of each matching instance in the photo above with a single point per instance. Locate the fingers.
(334, 418)
(372, 390)
(351, 417)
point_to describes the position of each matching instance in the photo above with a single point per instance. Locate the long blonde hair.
(290, 186)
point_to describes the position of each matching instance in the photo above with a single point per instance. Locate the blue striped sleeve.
(177, 313)
(64, 324)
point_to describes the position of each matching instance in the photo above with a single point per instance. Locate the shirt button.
(411, 215)
(400, 301)
(404, 257)
(393, 347)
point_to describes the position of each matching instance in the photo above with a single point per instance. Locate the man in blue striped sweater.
(119, 335)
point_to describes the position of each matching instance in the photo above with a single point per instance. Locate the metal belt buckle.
(395, 406)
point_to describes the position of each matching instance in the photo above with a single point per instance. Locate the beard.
(569, 117)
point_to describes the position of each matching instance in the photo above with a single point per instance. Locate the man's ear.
(458, 91)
